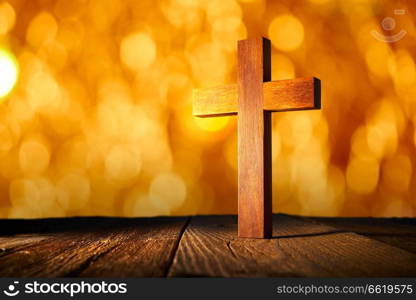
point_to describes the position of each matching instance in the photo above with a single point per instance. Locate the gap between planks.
(176, 246)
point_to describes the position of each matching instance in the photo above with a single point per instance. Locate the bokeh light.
(137, 51)
(7, 17)
(286, 32)
(42, 29)
(96, 107)
(8, 72)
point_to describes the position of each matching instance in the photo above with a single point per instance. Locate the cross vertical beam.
(254, 140)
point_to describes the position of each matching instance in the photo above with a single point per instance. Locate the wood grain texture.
(68, 250)
(215, 101)
(279, 95)
(209, 247)
(141, 250)
(254, 145)
(398, 232)
(293, 94)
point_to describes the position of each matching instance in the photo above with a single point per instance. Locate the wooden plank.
(209, 247)
(68, 252)
(9, 244)
(63, 251)
(279, 95)
(254, 140)
(398, 232)
(20, 234)
(215, 101)
(140, 253)
(293, 94)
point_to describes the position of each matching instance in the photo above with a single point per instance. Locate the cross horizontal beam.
(279, 95)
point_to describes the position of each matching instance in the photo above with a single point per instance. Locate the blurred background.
(96, 106)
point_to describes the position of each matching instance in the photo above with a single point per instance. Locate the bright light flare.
(8, 72)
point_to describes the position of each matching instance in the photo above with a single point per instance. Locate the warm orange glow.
(96, 107)
(362, 175)
(7, 17)
(137, 51)
(42, 29)
(282, 67)
(286, 32)
(8, 72)
(212, 124)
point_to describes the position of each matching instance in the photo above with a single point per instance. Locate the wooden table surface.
(207, 246)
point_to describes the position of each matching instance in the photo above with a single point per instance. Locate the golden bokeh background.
(96, 107)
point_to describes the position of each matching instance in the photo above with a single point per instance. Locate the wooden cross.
(253, 99)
